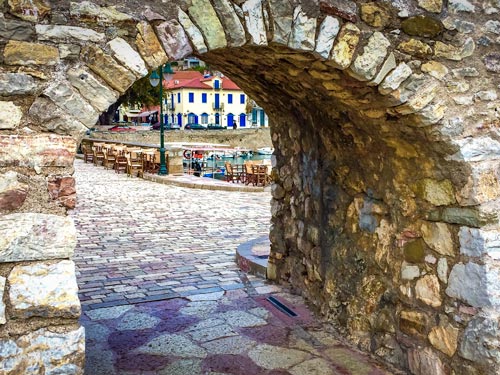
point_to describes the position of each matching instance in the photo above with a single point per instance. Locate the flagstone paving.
(161, 293)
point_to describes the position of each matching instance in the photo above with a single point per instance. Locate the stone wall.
(385, 125)
(247, 138)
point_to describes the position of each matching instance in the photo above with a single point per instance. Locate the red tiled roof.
(197, 81)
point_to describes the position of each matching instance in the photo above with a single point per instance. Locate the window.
(229, 98)
(204, 118)
(203, 98)
(216, 84)
(191, 97)
(242, 98)
(178, 97)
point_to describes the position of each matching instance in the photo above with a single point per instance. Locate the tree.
(140, 93)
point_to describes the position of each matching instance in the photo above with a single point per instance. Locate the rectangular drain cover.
(281, 307)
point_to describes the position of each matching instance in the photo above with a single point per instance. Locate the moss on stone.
(423, 26)
(414, 251)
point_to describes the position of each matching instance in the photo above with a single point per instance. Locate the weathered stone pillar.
(39, 306)
(175, 156)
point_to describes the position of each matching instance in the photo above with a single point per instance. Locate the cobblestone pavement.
(161, 293)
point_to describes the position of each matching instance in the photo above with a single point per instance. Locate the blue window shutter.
(242, 98)
(217, 102)
(178, 97)
(216, 84)
(203, 98)
(191, 97)
(230, 98)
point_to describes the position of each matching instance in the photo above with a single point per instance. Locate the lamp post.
(155, 79)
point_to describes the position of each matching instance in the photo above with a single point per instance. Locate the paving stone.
(317, 366)
(273, 357)
(107, 313)
(230, 345)
(243, 319)
(199, 308)
(134, 321)
(206, 297)
(212, 333)
(182, 367)
(175, 345)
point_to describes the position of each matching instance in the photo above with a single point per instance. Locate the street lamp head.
(168, 73)
(154, 79)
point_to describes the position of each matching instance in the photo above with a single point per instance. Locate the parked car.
(193, 126)
(166, 126)
(121, 128)
(216, 126)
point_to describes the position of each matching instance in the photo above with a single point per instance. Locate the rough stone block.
(33, 236)
(235, 32)
(475, 284)
(34, 10)
(203, 14)
(282, 15)
(108, 68)
(38, 151)
(90, 10)
(52, 118)
(15, 29)
(174, 39)
(71, 101)
(413, 323)
(438, 237)
(149, 46)
(477, 242)
(480, 340)
(49, 349)
(99, 95)
(46, 290)
(254, 21)
(444, 339)
(63, 33)
(425, 362)
(345, 46)
(427, 290)
(128, 56)
(10, 115)
(193, 32)
(16, 84)
(24, 53)
(304, 31)
(328, 31)
(12, 192)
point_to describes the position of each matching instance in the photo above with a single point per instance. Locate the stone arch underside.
(386, 165)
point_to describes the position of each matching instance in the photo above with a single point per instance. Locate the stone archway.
(384, 122)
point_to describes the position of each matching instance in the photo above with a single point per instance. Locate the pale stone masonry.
(385, 125)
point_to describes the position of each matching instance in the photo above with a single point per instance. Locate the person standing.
(234, 125)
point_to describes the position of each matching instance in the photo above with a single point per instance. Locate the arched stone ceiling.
(384, 119)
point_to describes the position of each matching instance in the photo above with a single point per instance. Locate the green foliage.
(142, 93)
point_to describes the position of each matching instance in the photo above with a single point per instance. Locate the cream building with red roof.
(192, 97)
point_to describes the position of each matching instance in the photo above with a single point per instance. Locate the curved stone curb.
(250, 262)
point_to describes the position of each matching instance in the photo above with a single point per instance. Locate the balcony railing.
(218, 106)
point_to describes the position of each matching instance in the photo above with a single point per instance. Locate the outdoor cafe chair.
(249, 177)
(120, 159)
(98, 153)
(109, 156)
(260, 176)
(88, 153)
(134, 162)
(232, 175)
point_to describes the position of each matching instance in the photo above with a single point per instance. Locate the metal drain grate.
(283, 308)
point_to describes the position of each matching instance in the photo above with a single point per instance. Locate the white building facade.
(202, 99)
